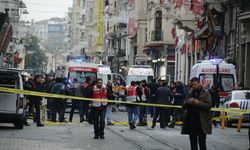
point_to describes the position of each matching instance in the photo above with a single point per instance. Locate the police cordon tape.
(43, 94)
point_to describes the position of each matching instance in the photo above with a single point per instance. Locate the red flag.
(173, 31)
(184, 48)
(196, 6)
(176, 42)
(162, 1)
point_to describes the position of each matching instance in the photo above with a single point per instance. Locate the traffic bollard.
(223, 118)
(239, 123)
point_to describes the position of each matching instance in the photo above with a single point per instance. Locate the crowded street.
(125, 75)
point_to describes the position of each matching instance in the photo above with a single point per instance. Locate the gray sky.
(45, 9)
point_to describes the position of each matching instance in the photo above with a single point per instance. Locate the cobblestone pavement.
(76, 136)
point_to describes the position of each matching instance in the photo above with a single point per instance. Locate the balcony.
(244, 15)
(156, 39)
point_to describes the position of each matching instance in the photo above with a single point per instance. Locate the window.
(158, 25)
(91, 15)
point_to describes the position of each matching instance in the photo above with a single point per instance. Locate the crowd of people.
(194, 99)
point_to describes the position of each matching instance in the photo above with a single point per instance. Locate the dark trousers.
(99, 121)
(164, 116)
(49, 107)
(37, 106)
(201, 138)
(177, 116)
(77, 105)
(142, 115)
(58, 106)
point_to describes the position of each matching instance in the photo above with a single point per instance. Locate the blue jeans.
(109, 113)
(133, 114)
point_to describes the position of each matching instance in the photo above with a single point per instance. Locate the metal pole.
(217, 77)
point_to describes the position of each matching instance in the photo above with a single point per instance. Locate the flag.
(173, 31)
(196, 6)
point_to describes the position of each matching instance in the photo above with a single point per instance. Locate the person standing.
(59, 104)
(152, 96)
(100, 93)
(49, 82)
(215, 97)
(110, 96)
(179, 94)
(144, 97)
(37, 86)
(133, 112)
(163, 95)
(197, 121)
(77, 104)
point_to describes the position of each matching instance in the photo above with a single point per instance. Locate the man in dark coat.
(37, 86)
(163, 95)
(197, 121)
(153, 86)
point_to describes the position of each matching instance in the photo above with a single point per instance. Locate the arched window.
(158, 26)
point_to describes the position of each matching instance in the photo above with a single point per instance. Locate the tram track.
(142, 146)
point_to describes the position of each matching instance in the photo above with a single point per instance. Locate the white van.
(140, 72)
(12, 105)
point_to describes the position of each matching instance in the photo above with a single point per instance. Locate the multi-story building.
(153, 31)
(116, 35)
(237, 38)
(41, 30)
(57, 34)
(11, 32)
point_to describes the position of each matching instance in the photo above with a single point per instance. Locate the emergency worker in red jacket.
(99, 108)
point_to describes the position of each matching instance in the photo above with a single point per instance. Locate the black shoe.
(110, 124)
(102, 137)
(96, 137)
(153, 126)
(40, 125)
(131, 126)
(26, 123)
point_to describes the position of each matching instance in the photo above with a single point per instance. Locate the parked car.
(238, 99)
(12, 106)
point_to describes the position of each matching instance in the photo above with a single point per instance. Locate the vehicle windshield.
(138, 78)
(81, 76)
(242, 95)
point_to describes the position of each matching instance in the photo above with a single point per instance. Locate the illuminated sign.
(214, 70)
(82, 69)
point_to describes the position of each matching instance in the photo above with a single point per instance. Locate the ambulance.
(206, 71)
(79, 70)
(140, 72)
